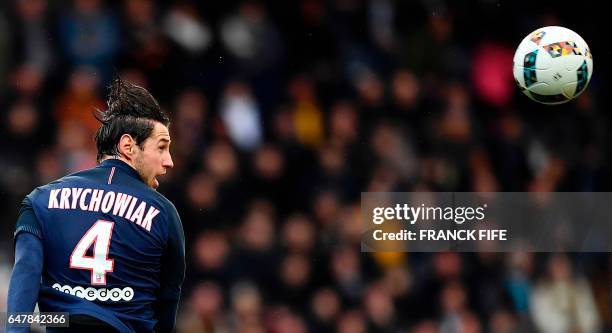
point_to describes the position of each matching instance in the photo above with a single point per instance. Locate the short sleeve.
(27, 221)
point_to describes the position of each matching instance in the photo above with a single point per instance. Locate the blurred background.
(283, 112)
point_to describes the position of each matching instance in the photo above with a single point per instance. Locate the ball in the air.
(552, 65)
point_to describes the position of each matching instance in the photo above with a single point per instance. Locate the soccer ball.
(552, 65)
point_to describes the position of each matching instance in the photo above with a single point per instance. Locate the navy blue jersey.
(113, 246)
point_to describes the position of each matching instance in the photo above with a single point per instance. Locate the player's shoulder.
(65, 181)
(167, 210)
(167, 205)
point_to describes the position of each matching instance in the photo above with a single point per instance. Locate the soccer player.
(102, 244)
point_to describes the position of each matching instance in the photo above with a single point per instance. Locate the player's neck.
(120, 158)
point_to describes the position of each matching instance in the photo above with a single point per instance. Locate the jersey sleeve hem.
(27, 228)
(27, 220)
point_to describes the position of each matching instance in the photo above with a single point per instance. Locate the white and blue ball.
(553, 65)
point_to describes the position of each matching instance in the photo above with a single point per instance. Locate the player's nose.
(167, 162)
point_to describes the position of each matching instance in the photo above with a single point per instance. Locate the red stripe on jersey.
(110, 177)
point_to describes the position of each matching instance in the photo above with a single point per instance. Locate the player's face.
(154, 158)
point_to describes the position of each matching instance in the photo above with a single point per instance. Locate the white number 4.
(99, 264)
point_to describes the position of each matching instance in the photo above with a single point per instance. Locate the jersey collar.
(119, 164)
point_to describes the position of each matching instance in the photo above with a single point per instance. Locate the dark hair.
(131, 110)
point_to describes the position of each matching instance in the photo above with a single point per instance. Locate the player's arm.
(172, 275)
(25, 280)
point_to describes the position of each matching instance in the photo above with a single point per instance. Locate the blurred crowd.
(283, 112)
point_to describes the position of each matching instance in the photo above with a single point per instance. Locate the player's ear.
(126, 146)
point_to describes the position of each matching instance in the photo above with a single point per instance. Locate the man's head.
(135, 130)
